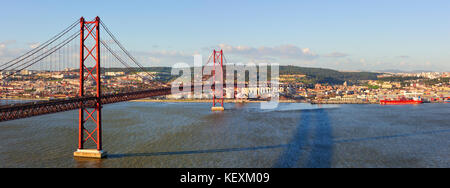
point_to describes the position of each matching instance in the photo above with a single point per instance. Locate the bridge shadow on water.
(320, 147)
(112, 156)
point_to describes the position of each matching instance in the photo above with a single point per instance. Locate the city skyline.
(348, 35)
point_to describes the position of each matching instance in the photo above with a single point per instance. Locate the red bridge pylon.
(90, 70)
(218, 91)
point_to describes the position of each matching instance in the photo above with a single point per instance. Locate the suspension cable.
(123, 49)
(37, 49)
(48, 52)
(51, 51)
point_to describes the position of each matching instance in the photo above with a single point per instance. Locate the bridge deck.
(26, 110)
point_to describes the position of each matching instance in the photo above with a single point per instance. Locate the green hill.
(313, 75)
(326, 76)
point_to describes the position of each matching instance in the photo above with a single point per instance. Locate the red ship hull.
(399, 102)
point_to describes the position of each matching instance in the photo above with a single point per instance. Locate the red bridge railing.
(31, 109)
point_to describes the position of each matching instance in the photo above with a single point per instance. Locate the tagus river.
(139, 134)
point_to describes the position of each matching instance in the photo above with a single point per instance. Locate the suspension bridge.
(81, 75)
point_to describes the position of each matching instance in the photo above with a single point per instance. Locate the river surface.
(140, 134)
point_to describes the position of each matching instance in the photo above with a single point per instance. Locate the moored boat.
(401, 101)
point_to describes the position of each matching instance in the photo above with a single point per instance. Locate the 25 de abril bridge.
(84, 50)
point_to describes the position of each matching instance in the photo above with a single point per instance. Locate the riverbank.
(209, 101)
(228, 101)
(343, 102)
(359, 102)
(23, 99)
(257, 101)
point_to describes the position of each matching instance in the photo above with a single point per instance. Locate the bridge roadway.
(30, 109)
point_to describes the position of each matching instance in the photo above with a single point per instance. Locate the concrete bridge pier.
(90, 153)
(217, 109)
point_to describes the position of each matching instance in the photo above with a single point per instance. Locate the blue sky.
(344, 35)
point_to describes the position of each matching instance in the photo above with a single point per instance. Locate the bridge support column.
(90, 111)
(218, 97)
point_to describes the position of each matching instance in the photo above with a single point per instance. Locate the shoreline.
(22, 99)
(251, 101)
(228, 101)
(209, 101)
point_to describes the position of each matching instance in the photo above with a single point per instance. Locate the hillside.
(313, 75)
(327, 76)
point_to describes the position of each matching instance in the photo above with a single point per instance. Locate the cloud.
(5, 44)
(7, 52)
(153, 60)
(165, 54)
(34, 45)
(403, 57)
(264, 52)
(335, 55)
(163, 57)
(8, 42)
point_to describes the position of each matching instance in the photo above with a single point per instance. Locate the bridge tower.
(90, 111)
(218, 91)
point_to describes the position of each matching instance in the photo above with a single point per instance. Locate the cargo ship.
(401, 101)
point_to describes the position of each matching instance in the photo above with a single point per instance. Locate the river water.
(139, 134)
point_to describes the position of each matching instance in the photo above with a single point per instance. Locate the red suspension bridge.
(91, 72)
